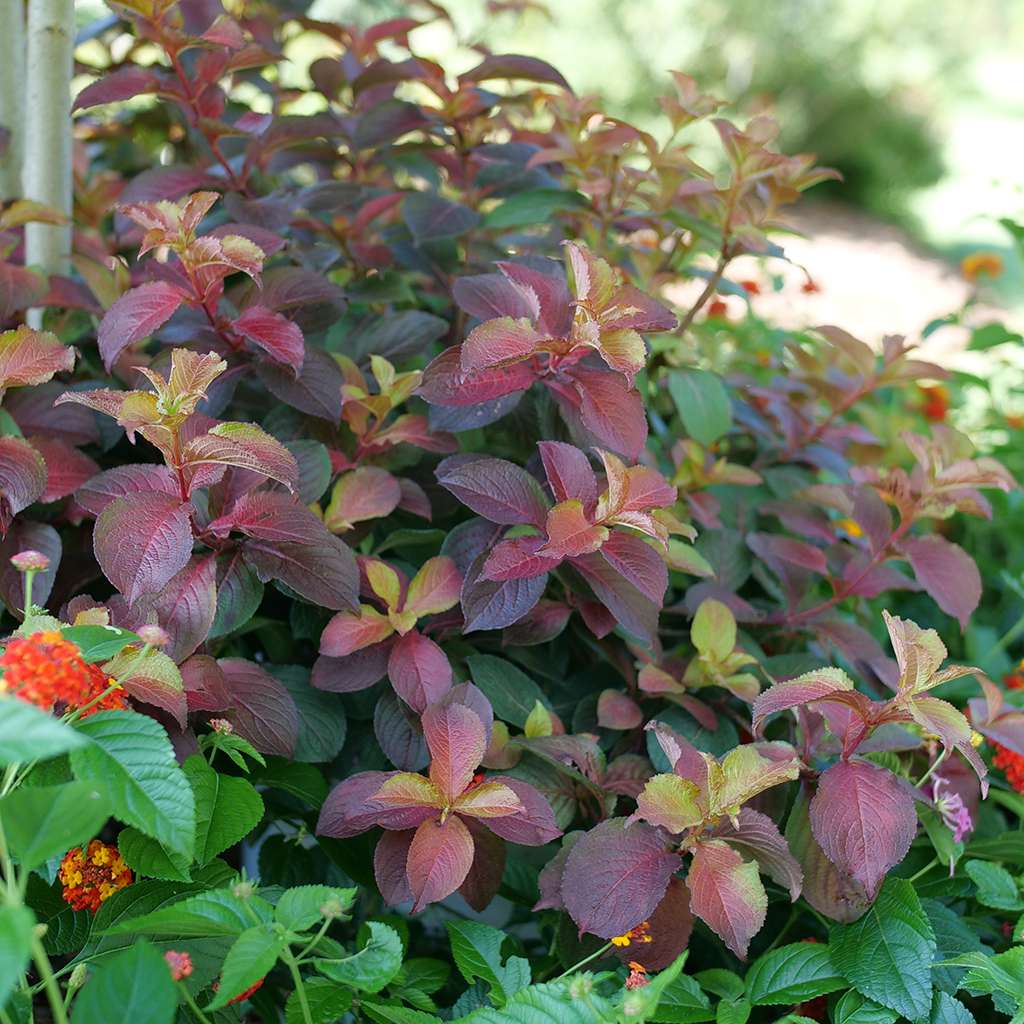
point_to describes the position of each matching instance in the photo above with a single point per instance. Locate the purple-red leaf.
(726, 893)
(121, 481)
(864, 820)
(22, 478)
(496, 489)
(32, 357)
(186, 606)
(440, 856)
(569, 473)
(457, 739)
(261, 708)
(947, 573)
(615, 877)
(350, 808)
(757, 835)
(115, 86)
(136, 315)
(534, 825)
(418, 670)
(142, 541)
(280, 338)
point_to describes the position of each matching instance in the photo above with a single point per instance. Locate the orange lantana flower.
(936, 403)
(981, 264)
(93, 875)
(1011, 764)
(46, 670)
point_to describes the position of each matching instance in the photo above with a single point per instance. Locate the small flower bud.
(154, 636)
(332, 909)
(30, 561)
(222, 725)
(243, 891)
(179, 963)
(78, 978)
(581, 985)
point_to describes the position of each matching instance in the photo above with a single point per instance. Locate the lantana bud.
(30, 561)
(179, 963)
(154, 636)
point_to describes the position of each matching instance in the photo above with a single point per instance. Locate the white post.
(47, 170)
(12, 94)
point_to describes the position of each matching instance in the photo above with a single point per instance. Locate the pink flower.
(950, 806)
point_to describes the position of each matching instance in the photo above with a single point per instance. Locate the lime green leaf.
(99, 643)
(132, 757)
(249, 960)
(300, 908)
(134, 985)
(28, 734)
(46, 821)
(702, 402)
(792, 974)
(227, 809)
(16, 924)
(373, 966)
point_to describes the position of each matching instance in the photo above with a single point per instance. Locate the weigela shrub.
(410, 536)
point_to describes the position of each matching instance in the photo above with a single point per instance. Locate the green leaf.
(996, 886)
(99, 643)
(535, 206)
(16, 924)
(299, 908)
(1007, 847)
(990, 335)
(135, 985)
(249, 960)
(373, 966)
(953, 937)
(792, 974)
(28, 734)
(887, 954)
(733, 1011)
(854, 1008)
(947, 1010)
(66, 930)
(683, 1001)
(476, 950)
(150, 859)
(46, 821)
(411, 538)
(132, 757)
(1001, 975)
(640, 1003)
(422, 974)
(546, 1004)
(227, 808)
(327, 1002)
(217, 912)
(511, 692)
(702, 402)
(388, 1014)
(302, 781)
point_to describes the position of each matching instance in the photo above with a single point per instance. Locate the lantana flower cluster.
(91, 876)
(46, 670)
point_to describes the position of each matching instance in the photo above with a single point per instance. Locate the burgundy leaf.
(187, 604)
(631, 608)
(726, 894)
(486, 296)
(569, 473)
(487, 604)
(440, 856)
(280, 338)
(484, 879)
(350, 809)
(639, 564)
(615, 877)
(670, 927)
(142, 541)
(22, 478)
(533, 826)
(419, 670)
(25, 536)
(864, 820)
(115, 86)
(515, 66)
(611, 410)
(494, 488)
(518, 559)
(67, 469)
(456, 739)
(316, 390)
(759, 837)
(354, 672)
(947, 573)
(136, 315)
(617, 710)
(121, 481)
(445, 382)
(389, 866)
(261, 709)
(399, 733)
